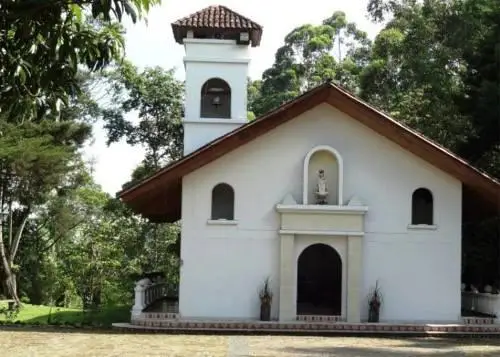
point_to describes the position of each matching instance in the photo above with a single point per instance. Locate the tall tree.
(42, 45)
(157, 98)
(336, 49)
(415, 75)
(35, 160)
(435, 66)
(475, 27)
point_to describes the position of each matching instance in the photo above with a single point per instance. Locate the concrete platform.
(308, 328)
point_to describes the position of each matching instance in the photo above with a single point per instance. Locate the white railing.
(481, 302)
(147, 292)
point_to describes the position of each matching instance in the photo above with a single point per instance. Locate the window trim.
(222, 222)
(422, 227)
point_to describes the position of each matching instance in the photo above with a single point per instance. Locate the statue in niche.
(321, 188)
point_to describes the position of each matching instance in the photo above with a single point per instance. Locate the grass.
(46, 315)
(58, 344)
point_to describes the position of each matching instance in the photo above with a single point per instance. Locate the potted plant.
(266, 298)
(374, 303)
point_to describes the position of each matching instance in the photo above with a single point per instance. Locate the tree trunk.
(8, 258)
(9, 280)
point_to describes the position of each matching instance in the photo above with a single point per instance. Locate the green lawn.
(46, 315)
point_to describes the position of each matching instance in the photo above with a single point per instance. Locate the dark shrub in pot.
(374, 304)
(266, 299)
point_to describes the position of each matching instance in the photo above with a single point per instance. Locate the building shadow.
(442, 347)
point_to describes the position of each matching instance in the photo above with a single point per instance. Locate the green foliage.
(157, 98)
(37, 160)
(37, 157)
(8, 314)
(44, 103)
(415, 76)
(44, 41)
(435, 67)
(308, 58)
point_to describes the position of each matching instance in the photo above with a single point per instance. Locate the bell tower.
(217, 44)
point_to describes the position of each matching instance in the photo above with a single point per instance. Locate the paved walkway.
(80, 344)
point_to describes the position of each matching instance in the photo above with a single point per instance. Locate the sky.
(152, 44)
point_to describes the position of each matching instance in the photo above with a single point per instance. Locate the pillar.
(287, 308)
(140, 296)
(354, 277)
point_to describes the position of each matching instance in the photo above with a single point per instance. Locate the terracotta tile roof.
(217, 17)
(158, 197)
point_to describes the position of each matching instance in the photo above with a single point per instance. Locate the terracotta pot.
(265, 312)
(373, 314)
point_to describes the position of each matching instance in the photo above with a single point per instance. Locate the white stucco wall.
(201, 131)
(223, 266)
(206, 59)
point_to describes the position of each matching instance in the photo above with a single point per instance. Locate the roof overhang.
(159, 196)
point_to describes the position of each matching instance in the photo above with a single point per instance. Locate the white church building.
(326, 196)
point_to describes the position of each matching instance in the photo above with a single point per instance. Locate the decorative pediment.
(288, 200)
(355, 201)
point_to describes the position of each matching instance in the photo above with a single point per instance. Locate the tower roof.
(216, 20)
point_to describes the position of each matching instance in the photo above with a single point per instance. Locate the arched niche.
(215, 99)
(328, 159)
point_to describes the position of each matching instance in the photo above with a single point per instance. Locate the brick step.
(478, 320)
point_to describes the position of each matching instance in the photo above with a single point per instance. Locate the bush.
(25, 300)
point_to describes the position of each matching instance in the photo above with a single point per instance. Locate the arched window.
(422, 207)
(215, 99)
(223, 202)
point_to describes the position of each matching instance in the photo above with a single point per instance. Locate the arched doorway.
(319, 281)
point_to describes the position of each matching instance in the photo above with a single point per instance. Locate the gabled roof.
(218, 18)
(158, 197)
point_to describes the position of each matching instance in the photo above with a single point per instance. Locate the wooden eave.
(158, 197)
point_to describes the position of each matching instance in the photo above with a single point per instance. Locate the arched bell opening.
(215, 99)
